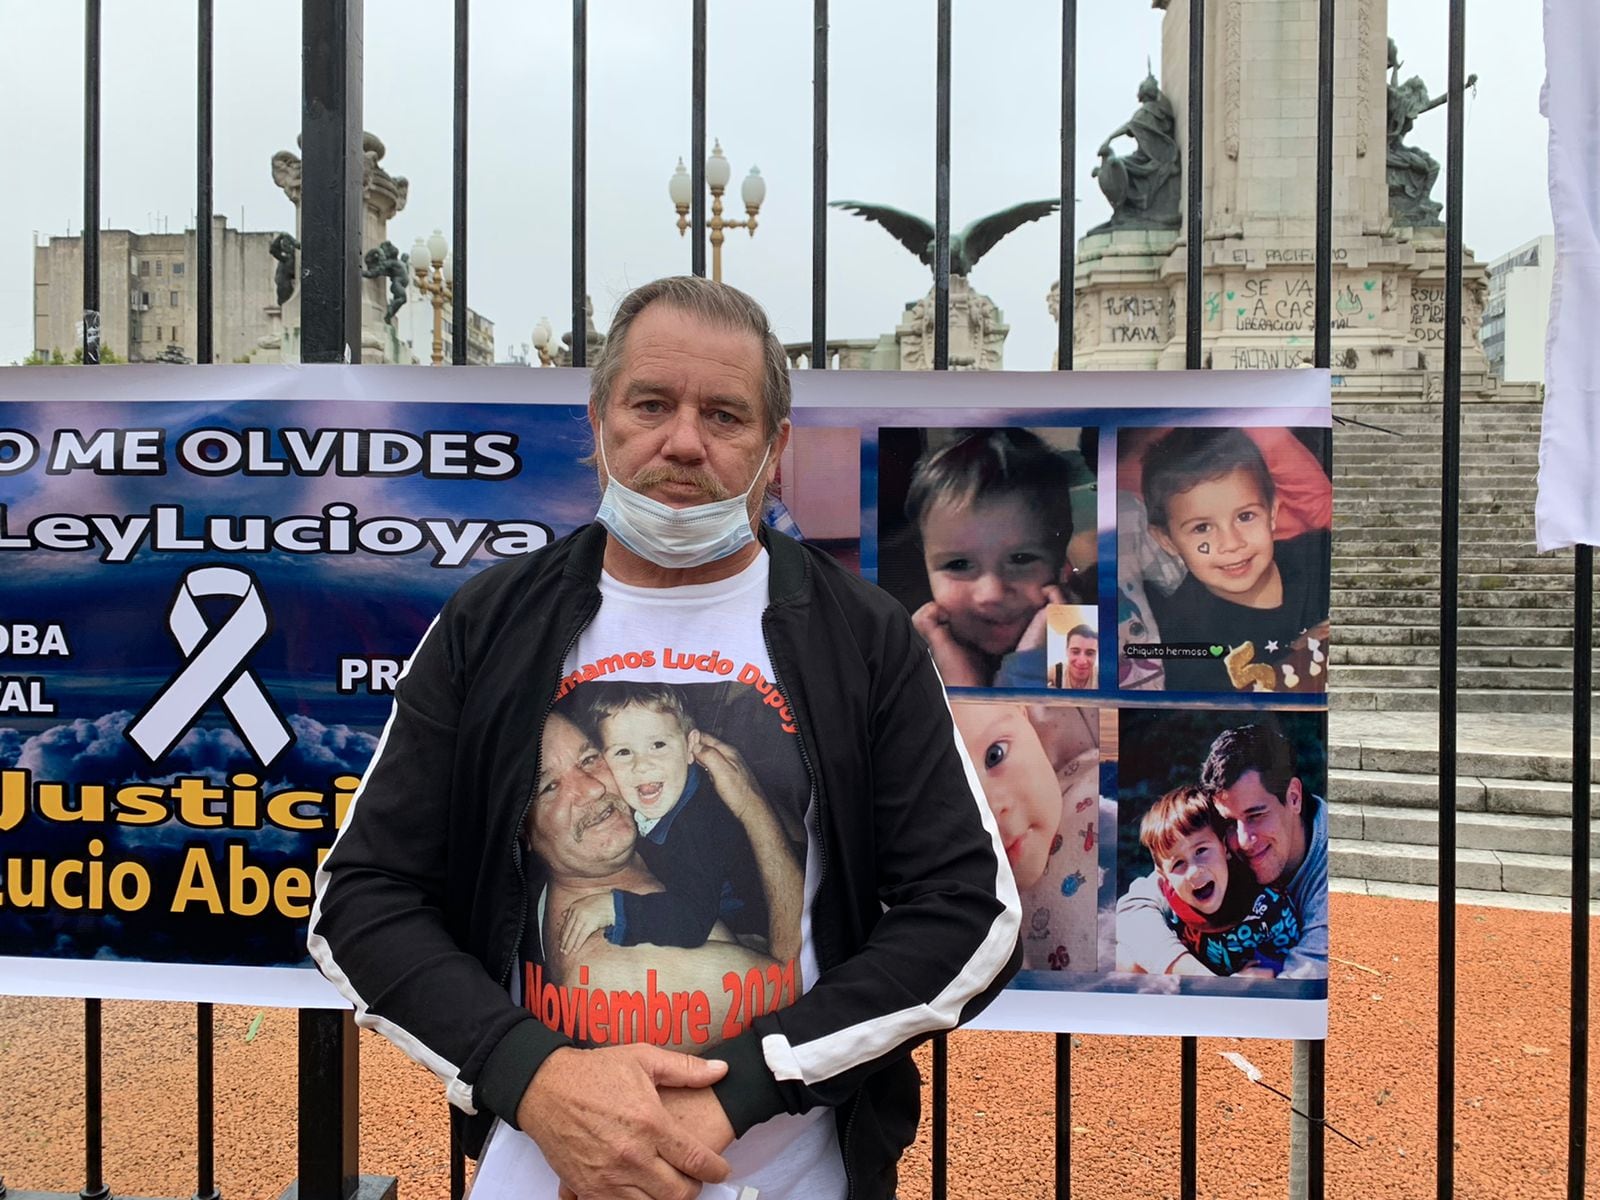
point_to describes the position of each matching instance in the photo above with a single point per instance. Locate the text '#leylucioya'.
(337, 528)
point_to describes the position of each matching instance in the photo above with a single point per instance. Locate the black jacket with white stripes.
(420, 910)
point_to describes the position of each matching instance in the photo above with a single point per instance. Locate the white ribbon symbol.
(215, 656)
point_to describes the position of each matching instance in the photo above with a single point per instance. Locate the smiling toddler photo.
(1232, 528)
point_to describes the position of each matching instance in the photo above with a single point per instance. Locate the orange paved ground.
(1511, 1107)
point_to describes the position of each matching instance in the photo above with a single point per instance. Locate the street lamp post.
(753, 191)
(544, 343)
(435, 275)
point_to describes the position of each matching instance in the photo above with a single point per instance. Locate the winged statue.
(966, 247)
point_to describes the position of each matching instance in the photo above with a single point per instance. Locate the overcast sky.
(1005, 105)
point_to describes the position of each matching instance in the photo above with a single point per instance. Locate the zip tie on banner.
(1253, 1073)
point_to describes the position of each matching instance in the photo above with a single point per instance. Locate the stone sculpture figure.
(966, 247)
(385, 262)
(283, 248)
(1143, 187)
(1412, 171)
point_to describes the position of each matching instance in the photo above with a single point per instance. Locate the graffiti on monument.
(1136, 318)
(1427, 314)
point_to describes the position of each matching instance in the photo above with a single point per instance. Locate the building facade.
(1517, 313)
(147, 302)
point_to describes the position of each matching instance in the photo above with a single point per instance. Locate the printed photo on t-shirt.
(1223, 559)
(667, 851)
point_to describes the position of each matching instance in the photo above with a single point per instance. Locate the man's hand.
(584, 917)
(730, 774)
(598, 1118)
(701, 1115)
(958, 666)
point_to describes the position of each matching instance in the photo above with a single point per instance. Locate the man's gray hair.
(715, 303)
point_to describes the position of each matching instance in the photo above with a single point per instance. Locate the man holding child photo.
(1228, 859)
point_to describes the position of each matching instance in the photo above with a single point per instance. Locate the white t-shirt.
(713, 703)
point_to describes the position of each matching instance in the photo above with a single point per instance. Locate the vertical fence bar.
(1064, 294)
(697, 144)
(1323, 348)
(941, 362)
(330, 208)
(941, 155)
(1194, 280)
(580, 183)
(459, 329)
(458, 1161)
(205, 351)
(91, 194)
(330, 308)
(205, 1087)
(1069, 153)
(94, 1187)
(1582, 689)
(1449, 563)
(819, 184)
(1311, 1057)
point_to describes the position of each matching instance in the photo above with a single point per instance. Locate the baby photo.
(979, 530)
(1222, 844)
(1223, 549)
(1040, 769)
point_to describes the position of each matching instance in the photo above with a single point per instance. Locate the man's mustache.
(702, 479)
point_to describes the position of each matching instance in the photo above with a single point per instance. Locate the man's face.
(649, 756)
(1197, 869)
(1081, 652)
(685, 423)
(1262, 829)
(1222, 529)
(579, 824)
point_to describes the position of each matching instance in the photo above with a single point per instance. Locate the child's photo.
(1040, 769)
(1223, 844)
(1072, 647)
(816, 494)
(979, 530)
(1223, 558)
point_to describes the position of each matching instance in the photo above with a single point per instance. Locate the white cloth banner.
(1568, 508)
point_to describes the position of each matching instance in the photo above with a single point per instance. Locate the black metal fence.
(331, 316)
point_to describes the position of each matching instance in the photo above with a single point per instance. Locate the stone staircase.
(1515, 605)
(1513, 803)
(1514, 663)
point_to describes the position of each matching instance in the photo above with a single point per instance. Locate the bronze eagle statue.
(966, 247)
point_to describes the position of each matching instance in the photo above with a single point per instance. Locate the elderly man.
(907, 918)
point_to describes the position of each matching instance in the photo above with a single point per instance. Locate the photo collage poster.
(1123, 580)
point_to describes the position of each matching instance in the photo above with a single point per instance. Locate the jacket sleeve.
(378, 929)
(947, 941)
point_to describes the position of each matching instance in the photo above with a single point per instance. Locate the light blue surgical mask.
(676, 538)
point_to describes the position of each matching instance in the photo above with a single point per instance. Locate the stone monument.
(1260, 213)
(977, 326)
(383, 196)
